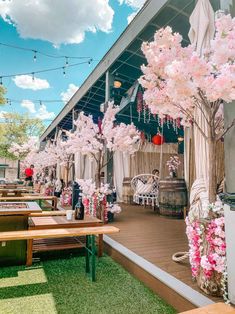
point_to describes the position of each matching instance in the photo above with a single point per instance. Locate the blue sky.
(57, 30)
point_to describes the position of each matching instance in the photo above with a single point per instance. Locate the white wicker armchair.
(145, 188)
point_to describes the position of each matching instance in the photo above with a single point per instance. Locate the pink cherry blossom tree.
(22, 150)
(177, 80)
(55, 151)
(61, 153)
(94, 140)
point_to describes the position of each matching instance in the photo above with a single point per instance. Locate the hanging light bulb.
(117, 84)
(40, 102)
(0, 80)
(33, 76)
(89, 62)
(35, 56)
(64, 73)
(66, 61)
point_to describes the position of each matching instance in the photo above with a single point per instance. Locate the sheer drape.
(121, 169)
(84, 167)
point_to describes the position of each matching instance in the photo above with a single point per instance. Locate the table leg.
(40, 203)
(93, 249)
(100, 245)
(29, 259)
(54, 203)
(87, 254)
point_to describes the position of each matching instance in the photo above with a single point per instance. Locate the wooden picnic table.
(16, 192)
(60, 222)
(33, 197)
(13, 209)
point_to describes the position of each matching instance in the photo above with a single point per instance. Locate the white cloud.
(43, 114)
(65, 96)
(28, 105)
(63, 21)
(131, 16)
(27, 82)
(134, 4)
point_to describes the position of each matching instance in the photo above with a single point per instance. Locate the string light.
(46, 70)
(0, 80)
(40, 101)
(42, 53)
(64, 73)
(35, 56)
(89, 62)
(67, 61)
(33, 76)
(8, 101)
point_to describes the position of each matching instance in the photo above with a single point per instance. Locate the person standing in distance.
(29, 174)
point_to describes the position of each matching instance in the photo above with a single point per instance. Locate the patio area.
(156, 238)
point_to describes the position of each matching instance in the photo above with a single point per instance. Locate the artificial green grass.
(61, 286)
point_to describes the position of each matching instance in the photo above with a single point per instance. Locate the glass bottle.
(79, 210)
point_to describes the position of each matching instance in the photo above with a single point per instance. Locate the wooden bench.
(18, 192)
(49, 213)
(88, 232)
(39, 198)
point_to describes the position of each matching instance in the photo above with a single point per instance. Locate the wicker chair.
(145, 188)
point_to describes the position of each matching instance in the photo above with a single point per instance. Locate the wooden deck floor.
(155, 238)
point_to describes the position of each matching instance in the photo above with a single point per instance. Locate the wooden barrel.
(172, 197)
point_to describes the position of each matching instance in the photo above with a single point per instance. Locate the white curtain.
(84, 167)
(121, 169)
(187, 138)
(201, 149)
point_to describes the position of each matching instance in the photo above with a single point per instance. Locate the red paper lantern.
(158, 139)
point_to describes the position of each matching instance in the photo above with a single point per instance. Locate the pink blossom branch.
(189, 115)
(204, 100)
(199, 106)
(200, 129)
(222, 134)
(109, 159)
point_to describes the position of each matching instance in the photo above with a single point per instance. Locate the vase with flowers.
(173, 164)
(99, 199)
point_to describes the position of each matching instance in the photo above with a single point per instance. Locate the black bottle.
(79, 210)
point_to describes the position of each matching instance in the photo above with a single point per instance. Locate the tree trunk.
(97, 184)
(67, 174)
(212, 169)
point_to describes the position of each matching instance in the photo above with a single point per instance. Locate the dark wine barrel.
(172, 197)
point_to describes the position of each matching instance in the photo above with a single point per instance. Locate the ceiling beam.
(180, 11)
(128, 64)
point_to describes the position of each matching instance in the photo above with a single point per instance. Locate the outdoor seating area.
(117, 145)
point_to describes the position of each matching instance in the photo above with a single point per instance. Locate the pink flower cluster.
(92, 139)
(193, 232)
(176, 79)
(173, 163)
(212, 257)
